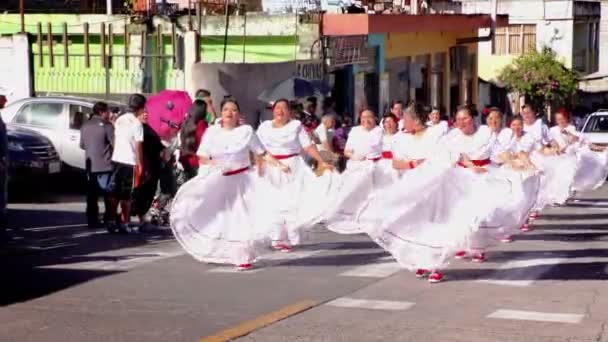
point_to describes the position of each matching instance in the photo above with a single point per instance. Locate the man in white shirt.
(128, 157)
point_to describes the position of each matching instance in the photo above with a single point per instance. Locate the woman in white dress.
(360, 179)
(426, 216)
(504, 196)
(224, 215)
(386, 175)
(435, 122)
(300, 195)
(511, 154)
(592, 168)
(558, 169)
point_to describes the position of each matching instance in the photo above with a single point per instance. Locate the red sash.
(481, 162)
(235, 172)
(387, 155)
(375, 159)
(284, 156)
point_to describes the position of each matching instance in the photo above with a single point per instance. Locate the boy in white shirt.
(128, 158)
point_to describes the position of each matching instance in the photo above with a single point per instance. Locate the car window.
(46, 115)
(78, 115)
(597, 124)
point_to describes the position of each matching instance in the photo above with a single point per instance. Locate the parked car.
(30, 154)
(595, 127)
(58, 118)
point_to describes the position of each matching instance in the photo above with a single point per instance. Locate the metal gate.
(107, 59)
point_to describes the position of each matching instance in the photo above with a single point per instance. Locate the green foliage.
(541, 77)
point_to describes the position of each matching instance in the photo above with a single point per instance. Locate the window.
(78, 115)
(596, 124)
(514, 39)
(47, 115)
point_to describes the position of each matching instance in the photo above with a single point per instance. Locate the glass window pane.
(46, 115)
(78, 115)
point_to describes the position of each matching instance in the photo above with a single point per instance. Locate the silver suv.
(595, 127)
(57, 118)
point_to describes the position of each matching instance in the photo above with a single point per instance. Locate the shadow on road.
(30, 283)
(59, 238)
(572, 271)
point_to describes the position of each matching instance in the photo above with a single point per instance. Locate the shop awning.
(364, 24)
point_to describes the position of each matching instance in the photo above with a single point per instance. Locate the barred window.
(514, 39)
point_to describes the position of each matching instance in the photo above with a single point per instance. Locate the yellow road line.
(260, 322)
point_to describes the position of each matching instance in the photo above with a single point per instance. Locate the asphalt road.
(64, 282)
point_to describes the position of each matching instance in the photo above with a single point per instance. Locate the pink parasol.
(167, 108)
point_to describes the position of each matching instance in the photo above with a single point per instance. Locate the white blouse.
(388, 141)
(409, 146)
(441, 126)
(230, 148)
(555, 134)
(508, 142)
(286, 140)
(477, 146)
(539, 131)
(365, 143)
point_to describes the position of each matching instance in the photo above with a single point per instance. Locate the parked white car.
(58, 118)
(595, 127)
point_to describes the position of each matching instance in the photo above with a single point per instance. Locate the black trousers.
(94, 191)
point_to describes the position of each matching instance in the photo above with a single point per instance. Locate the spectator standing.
(97, 140)
(205, 95)
(308, 116)
(3, 169)
(143, 194)
(128, 158)
(191, 134)
(323, 137)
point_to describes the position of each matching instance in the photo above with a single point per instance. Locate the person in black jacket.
(97, 140)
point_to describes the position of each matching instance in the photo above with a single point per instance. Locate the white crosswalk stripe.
(537, 316)
(521, 272)
(385, 267)
(120, 259)
(389, 305)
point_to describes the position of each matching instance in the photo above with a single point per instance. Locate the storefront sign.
(309, 70)
(348, 50)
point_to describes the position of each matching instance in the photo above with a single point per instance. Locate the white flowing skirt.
(300, 198)
(351, 197)
(223, 219)
(424, 218)
(592, 169)
(514, 194)
(556, 180)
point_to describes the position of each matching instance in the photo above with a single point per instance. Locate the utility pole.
(108, 7)
(22, 13)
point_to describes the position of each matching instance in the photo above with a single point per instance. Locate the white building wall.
(15, 72)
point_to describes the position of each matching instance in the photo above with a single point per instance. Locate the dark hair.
(137, 102)
(203, 93)
(328, 101)
(418, 112)
(279, 101)
(390, 116)
(230, 99)
(196, 114)
(465, 109)
(516, 118)
(98, 108)
(398, 102)
(528, 106)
